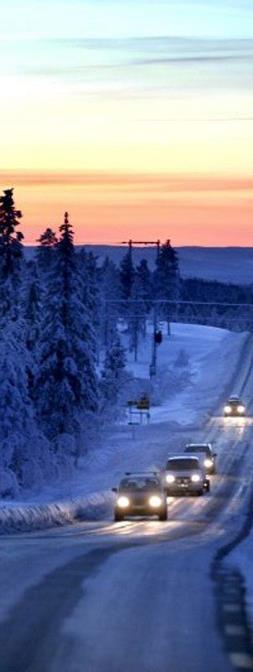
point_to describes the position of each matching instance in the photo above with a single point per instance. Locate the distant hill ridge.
(226, 264)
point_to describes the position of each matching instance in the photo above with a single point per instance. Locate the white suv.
(185, 474)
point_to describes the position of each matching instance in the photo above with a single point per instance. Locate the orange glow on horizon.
(107, 208)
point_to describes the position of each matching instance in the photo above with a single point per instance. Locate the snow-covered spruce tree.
(131, 301)
(32, 317)
(136, 317)
(90, 297)
(66, 385)
(110, 297)
(25, 458)
(144, 278)
(113, 376)
(11, 257)
(24, 452)
(32, 306)
(166, 280)
(127, 275)
(143, 285)
(46, 249)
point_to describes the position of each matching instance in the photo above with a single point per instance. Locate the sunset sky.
(136, 116)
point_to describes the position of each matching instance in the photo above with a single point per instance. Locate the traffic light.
(158, 337)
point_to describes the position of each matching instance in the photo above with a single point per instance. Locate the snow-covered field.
(192, 381)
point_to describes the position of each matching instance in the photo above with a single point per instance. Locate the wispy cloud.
(132, 181)
(111, 64)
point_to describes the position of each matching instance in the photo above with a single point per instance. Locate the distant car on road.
(185, 474)
(205, 453)
(234, 407)
(140, 495)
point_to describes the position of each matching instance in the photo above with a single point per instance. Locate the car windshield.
(182, 464)
(198, 449)
(140, 483)
(236, 402)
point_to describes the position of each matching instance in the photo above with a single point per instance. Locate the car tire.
(118, 517)
(164, 515)
(200, 492)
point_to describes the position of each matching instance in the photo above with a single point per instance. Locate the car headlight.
(170, 478)
(155, 501)
(227, 409)
(208, 463)
(195, 478)
(123, 502)
(241, 408)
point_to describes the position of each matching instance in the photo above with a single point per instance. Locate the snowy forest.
(62, 358)
(62, 361)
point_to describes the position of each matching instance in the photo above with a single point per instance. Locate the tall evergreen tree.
(129, 295)
(90, 297)
(144, 292)
(11, 256)
(45, 252)
(31, 320)
(127, 275)
(144, 278)
(110, 297)
(66, 385)
(166, 280)
(25, 453)
(32, 307)
(113, 374)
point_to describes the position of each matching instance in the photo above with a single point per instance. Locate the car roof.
(141, 474)
(198, 445)
(146, 478)
(182, 457)
(235, 397)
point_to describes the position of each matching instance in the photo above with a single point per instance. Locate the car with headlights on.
(185, 474)
(205, 453)
(234, 408)
(140, 495)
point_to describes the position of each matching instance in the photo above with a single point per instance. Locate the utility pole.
(131, 242)
(152, 368)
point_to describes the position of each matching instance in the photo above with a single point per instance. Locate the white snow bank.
(21, 517)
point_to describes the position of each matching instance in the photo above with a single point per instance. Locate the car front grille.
(182, 480)
(138, 500)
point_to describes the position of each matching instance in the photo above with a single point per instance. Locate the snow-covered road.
(134, 596)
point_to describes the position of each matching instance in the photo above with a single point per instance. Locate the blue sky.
(124, 88)
(126, 18)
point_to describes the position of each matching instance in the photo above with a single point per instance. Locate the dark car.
(140, 495)
(205, 453)
(234, 408)
(185, 475)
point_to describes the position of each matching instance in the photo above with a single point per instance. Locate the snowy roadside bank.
(22, 517)
(88, 493)
(241, 559)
